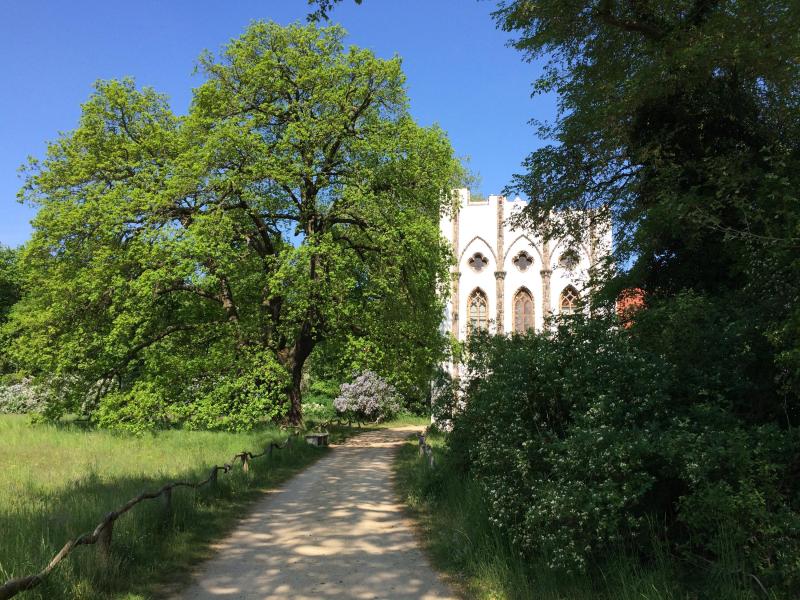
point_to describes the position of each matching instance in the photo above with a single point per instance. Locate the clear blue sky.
(460, 72)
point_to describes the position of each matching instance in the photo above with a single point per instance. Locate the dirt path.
(336, 530)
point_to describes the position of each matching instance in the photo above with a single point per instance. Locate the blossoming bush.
(368, 398)
(582, 444)
(22, 397)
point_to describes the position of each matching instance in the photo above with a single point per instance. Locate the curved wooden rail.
(102, 533)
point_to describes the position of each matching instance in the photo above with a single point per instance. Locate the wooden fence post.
(167, 503)
(104, 540)
(245, 462)
(212, 479)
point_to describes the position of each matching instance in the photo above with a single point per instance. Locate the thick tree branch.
(605, 12)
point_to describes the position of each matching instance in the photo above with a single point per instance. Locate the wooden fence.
(101, 535)
(338, 422)
(425, 449)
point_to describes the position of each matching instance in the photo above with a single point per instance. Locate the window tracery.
(569, 301)
(523, 311)
(478, 262)
(478, 310)
(523, 260)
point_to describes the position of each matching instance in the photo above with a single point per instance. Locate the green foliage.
(10, 284)
(463, 542)
(318, 400)
(10, 292)
(237, 403)
(137, 410)
(323, 8)
(581, 440)
(297, 203)
(680, 121)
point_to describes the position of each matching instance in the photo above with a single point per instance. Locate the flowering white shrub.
(22, 397)
(370, 398)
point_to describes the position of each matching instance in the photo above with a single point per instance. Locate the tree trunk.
(294, 362)
(295, 400)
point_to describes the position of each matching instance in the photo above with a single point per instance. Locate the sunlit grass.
(57, 482)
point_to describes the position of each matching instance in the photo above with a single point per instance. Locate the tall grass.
(462, 542)
(57, 482)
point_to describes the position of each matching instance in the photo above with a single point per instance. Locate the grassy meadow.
(57, 482)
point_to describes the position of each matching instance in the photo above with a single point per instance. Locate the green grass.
(57, 482)
(462, 543)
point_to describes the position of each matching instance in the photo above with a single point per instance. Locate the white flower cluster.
(22, 397)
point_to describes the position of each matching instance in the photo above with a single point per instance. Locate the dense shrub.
(239, 401)
(318, 400)
(582, 443)
(446, 400)
(369, 398)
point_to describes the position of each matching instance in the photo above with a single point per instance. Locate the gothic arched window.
(478, 310)
(523, 311)
(522, 261)
(569, 301)
(478, 261)
(569, 260)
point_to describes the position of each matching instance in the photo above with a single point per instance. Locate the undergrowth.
(462, 543)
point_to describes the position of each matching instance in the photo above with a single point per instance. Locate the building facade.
(506, 280)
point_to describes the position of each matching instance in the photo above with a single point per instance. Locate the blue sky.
(460, 72)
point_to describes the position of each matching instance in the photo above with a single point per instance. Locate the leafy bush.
(368, 398)
(318, 412)
(445, 400)
(138, 410)
(581, 443)
(237, 401)
(318, 398)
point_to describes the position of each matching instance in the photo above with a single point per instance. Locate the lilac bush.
(369, 398)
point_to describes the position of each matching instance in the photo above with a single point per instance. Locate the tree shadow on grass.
(152, 548)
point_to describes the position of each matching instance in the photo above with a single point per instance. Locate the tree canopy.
(189, 265)
(680, 120)
(679, 117)
(10, 292)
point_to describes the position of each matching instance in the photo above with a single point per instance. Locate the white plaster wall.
(479, 220)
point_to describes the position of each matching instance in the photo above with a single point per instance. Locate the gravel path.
(336, 530)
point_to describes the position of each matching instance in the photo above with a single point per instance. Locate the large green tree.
(678, 117)
(10, 292)
(9, 281)
(190, 265)
(680, 120)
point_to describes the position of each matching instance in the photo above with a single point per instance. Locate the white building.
(506, 280)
